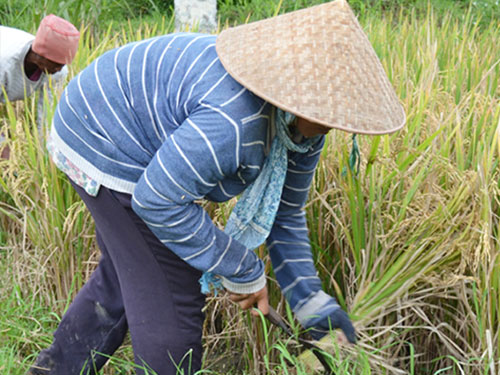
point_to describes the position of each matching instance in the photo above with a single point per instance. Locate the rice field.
(409, 244)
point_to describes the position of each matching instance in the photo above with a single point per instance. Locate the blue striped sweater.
(162, 120)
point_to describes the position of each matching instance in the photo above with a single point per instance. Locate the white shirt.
(14, 45)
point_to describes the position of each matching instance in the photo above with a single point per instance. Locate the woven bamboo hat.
(316, 63)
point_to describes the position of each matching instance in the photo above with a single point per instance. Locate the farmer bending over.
(28, 60)
(149, 129)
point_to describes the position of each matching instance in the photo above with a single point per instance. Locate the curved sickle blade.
(278, 321)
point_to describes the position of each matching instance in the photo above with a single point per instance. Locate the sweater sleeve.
(289, 245)
(191, 162)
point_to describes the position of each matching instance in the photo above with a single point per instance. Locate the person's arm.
(291, 256)
(14, 45)
(190, 163)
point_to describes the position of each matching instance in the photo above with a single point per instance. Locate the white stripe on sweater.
(172, 73)
(171, 225)
(144, 90)
(118, 80)
(292, 228)
(254, 143)
(276, 242)
(241, 263)
(223, 190)
(236, 130)
(286, 261)
(162, 165)
(290, 203)
(155, 100)
(214, 86)
(189, 163)
(91, 131)
(296, 189)
(315, 152)
(209, 145)
(234, 97)
(93, 149)
(202, 250)
(196, 83)
(296, 281)
(92, 112)
(301, 172)
(146, 178)
(241, 178)
(255, 116)
(128, 71)
(99, 85)
(249, 166)
(188, 237)
(180, 221)
(189, 70)
(222, 256)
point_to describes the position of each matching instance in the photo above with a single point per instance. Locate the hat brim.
(316, 63)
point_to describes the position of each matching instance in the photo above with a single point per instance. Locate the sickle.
(274, 318)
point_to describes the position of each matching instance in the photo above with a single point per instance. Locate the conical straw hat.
(316, 63)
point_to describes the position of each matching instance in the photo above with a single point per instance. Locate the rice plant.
(409, 244)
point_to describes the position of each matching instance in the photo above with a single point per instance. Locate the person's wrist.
(244, 288)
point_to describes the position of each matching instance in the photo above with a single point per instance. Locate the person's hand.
(336, 319)
(247, 301)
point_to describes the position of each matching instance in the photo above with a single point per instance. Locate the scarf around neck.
(253, 215)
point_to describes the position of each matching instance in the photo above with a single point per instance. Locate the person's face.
(310, 129)
(45, 65)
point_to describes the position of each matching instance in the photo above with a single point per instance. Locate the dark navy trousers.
(140, 286)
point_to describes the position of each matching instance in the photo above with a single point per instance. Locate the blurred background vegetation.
(98, 14)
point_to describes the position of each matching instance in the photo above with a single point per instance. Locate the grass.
(409, 245)
(24, 327)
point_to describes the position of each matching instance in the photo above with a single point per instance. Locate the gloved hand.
(338, 318)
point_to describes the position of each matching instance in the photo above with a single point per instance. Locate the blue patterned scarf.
(253, 216)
